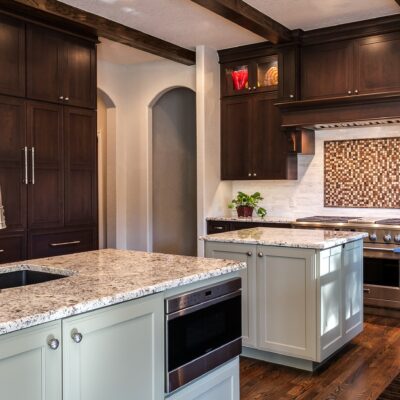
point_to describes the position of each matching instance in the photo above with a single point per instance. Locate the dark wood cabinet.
(215, 226)
(377, 64)
(80, 167)
(12, 248)
(60, 68)
(288, 71)
(46, 165)
(12, 60)
(327, 70)
(13, 164)
(252, 143)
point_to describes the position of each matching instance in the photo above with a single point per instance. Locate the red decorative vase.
(244, 211)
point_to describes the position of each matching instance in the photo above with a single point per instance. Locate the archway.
(173, 173)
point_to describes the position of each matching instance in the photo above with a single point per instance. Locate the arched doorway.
(174, 180)
(106, 134)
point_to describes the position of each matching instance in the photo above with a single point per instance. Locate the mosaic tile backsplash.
(362, 173)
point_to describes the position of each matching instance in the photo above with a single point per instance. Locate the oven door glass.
(198, 333)
(382, 272)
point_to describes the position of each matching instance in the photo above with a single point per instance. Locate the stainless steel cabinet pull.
(33, 165)
(366, 290)
(219, 228)
(76, 336)
(53, 343)
(260, 254)
(2, 251)
(249, 253)
(65, 243)
(25, 150)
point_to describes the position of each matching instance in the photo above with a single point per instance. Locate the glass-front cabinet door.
(267, 73)
(235, 78)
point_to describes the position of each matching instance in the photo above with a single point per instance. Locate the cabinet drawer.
(12, 248)
(54, 244)
(217, 227)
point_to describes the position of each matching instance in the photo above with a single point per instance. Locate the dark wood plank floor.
(360, 371)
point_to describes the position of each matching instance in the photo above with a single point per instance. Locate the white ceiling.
(187, 24)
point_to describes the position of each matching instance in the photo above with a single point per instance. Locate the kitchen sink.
(26, 277)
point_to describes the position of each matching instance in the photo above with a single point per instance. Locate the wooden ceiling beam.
(398, 2)
(250, 18)
(102, 27)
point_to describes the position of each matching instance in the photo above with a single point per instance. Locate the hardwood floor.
(360, 371)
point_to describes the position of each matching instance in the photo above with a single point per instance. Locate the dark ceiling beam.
(102, 27)
(398, 2)
(248, 17)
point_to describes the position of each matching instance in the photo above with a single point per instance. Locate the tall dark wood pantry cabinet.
(48, 145)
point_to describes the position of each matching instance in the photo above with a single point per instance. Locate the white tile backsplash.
(305, 196)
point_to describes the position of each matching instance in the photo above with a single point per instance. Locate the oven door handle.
(380, 249)
(203, 305)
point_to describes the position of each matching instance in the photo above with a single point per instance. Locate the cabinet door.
(12, 56)
(330, 288)
(286, 294)
(220, 384)
(79, 73)
(237, 78)
(80, 167)
(44, 64)
(378, 64)
(242, 253)
(353, 289)
(269, 143)
(236, 123)
(29, 368)
(12, 248)
(288, 74)
(121, 354)
(46, 189)
(12, 162)
(327, 70)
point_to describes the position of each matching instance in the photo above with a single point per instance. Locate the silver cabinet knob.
(76, 336)
(356, 91)
(349, 92)
(53, 343)
(373, 237)
(67, 99)
(397, 238)
(260, 254)
(291, 96)
(387, 238)
(61, 97)
(254, 87)
(254, 174)
(249, 88)
(249, 173)
(249, 253)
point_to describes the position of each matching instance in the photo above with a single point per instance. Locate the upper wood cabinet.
(252, 143)
(327, 70)
(377, 64)
(368, 65)
(60, 68)
(12, 59)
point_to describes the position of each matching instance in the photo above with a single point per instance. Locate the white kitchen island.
(302, 291)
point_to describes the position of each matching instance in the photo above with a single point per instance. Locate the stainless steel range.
(381, 261)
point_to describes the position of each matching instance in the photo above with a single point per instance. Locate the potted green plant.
(245, 204)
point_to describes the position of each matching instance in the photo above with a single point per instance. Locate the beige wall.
(306, 195)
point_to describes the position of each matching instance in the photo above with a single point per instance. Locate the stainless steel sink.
(26, 277)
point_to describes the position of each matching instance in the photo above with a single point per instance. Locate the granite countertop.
(98, 279)
(286, 237)
(266, 219)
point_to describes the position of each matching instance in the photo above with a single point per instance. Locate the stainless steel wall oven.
(203, 331)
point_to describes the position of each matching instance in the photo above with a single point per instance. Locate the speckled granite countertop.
(98, 279)
(265, 220)
(286, 237)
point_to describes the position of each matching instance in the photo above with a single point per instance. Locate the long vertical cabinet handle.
(25, 150)
(33, 165)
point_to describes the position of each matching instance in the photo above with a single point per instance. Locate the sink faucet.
(2, 217)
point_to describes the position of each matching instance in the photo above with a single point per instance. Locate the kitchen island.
(98, 332)
(302, 291)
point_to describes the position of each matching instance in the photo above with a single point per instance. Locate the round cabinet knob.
(254, 174)
(291, 96)
(260, 254)
(61, 97)
(397, 238)
(349, 92)
(67, 99)
(53, 343)
(249, 253)
(249, 173)
(76, 336)
(387, 238)
(249, 88)
(373, 237)
(356, 91)
(254, 87)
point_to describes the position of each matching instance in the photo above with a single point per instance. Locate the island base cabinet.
(115, 353)
(29, 368)
(220, 384)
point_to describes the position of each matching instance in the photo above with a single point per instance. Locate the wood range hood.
(341, 112)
